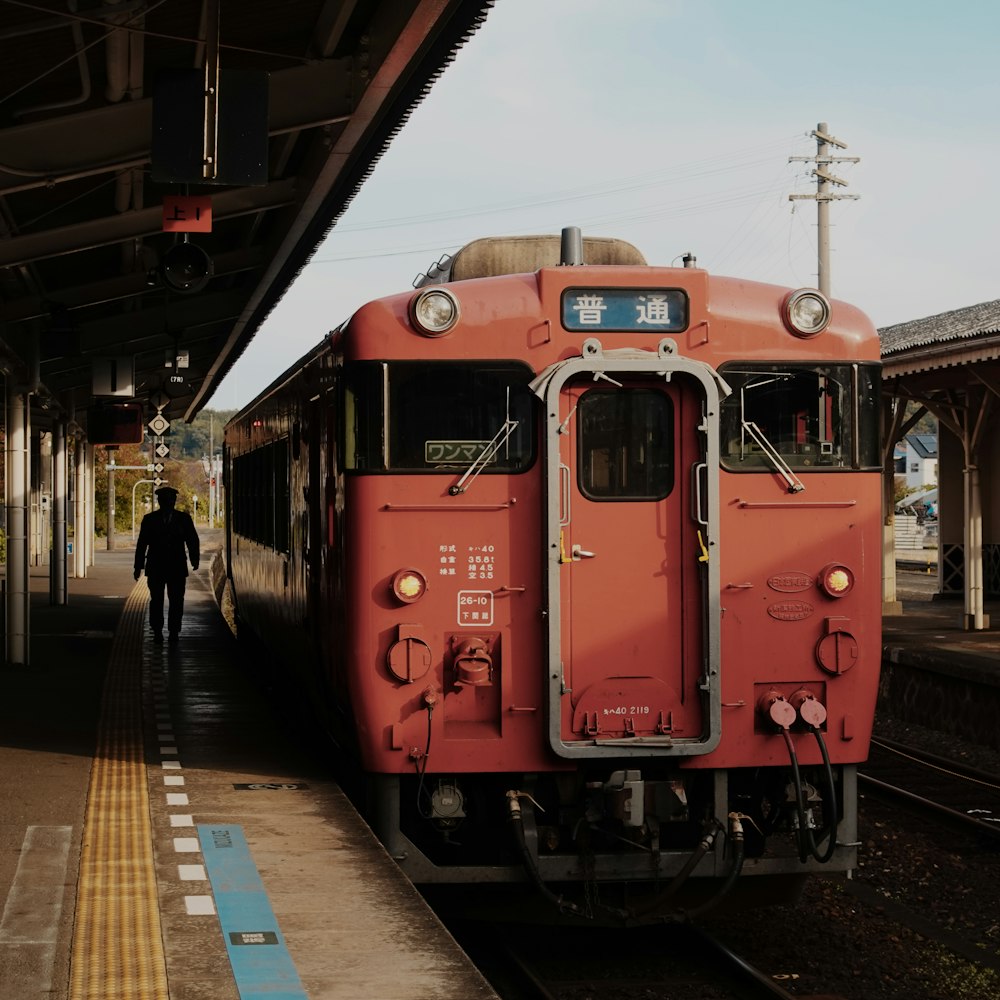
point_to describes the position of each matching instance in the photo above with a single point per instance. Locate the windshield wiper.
(484, 458)
(795, 485)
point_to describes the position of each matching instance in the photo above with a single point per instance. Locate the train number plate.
(475, 607)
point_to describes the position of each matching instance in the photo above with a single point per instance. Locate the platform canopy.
(949, 365)
(125, 124)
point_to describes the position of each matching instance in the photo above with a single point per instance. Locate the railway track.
(936, 879)
(951, 790)
(672, 962)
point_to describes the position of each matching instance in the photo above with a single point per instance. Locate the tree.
(125, 479)
(188, 441)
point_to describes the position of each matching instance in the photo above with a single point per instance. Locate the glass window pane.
(869, 416)
(625, 445)
(443, 416)
(439, 416)
(363, 417)
(805, 413)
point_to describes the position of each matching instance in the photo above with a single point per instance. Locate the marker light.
(434, 311)
(409, 585)
(836, 580)
(806, 312)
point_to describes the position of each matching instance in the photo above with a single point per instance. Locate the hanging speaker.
(186, 268)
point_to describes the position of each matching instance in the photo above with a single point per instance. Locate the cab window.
(439, 417)
(811, 416)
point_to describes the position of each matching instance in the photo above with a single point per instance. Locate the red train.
(581, 558)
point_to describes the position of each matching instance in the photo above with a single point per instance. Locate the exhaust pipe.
(571, 251)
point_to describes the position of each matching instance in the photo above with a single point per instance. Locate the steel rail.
(928, 805)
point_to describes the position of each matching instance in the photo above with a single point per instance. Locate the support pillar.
(80, 525)
(91, 506)
(975, 617)
(60, 485)
(111, 504)
(18, 478)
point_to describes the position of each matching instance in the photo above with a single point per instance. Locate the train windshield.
(814, 417)
(415, 416)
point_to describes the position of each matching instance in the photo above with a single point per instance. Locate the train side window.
(282, 506)
(808, 414)
(261, 485)
(364, 420)
(625, 445)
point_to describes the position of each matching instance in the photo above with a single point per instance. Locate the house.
(921, 460)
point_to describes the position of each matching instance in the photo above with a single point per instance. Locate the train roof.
(496, 255)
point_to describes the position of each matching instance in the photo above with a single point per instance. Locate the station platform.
(931, 632)
(939, 675)
(162, 836)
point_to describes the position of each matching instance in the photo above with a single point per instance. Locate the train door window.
(625, 445)
(805, 414)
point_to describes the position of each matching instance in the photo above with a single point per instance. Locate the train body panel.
(470, 644)
(605, 540)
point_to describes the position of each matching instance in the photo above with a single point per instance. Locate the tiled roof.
(960, 324)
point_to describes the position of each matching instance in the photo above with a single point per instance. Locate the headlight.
(409, 585)
(806, 312)
(434, 311)
(836, 580)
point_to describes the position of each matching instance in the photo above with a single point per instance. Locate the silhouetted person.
(163, 535)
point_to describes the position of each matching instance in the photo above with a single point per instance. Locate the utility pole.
(825, 182)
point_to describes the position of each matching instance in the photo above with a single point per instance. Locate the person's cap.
(166, 489)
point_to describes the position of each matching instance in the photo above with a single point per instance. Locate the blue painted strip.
(262, 966)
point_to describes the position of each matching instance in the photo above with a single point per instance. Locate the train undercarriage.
(656, 832)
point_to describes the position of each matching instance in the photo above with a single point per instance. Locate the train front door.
(635, 642)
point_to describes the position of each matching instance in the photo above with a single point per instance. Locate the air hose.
(831, 803)
(806, 841)
(712, 829)
(517, 828)
(736, 840)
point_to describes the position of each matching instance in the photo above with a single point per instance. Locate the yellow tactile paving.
(117, 951)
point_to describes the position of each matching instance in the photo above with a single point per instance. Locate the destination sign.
(619, 310)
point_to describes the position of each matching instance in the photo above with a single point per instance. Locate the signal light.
(836, 580)
(409, 585)
(186, 268)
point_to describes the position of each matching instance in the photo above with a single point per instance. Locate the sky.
(671, 124)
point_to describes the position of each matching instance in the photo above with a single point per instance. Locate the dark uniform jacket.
(160, 547)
